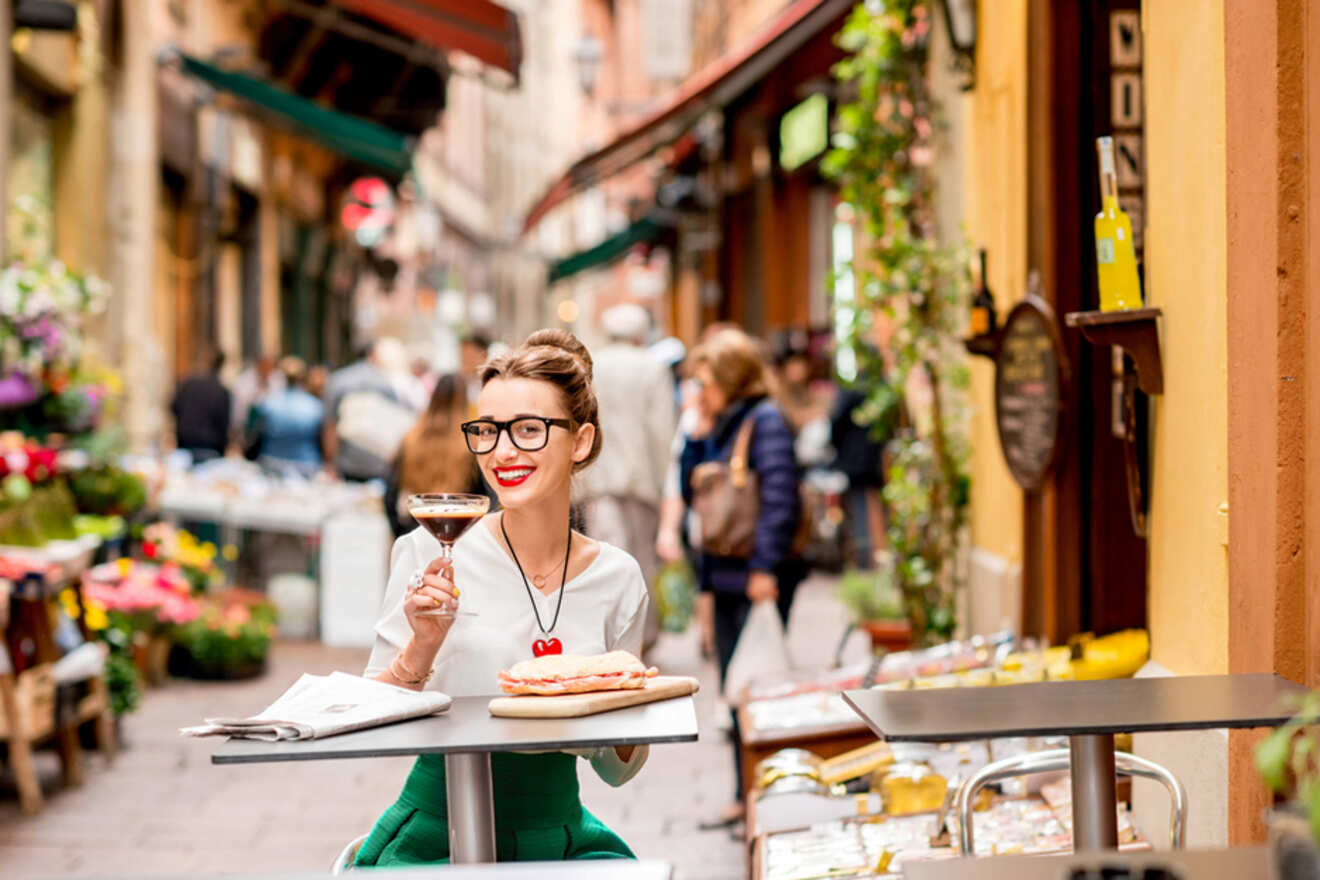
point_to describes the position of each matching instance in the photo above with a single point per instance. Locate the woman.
(732, 389)
(433, 456)
(525, 576)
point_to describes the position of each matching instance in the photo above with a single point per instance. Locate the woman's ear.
(582, 442)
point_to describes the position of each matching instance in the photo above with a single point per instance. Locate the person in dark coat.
(201, 409)
(733, 388)
(859, 456)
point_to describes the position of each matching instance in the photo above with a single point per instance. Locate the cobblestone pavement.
(163, 808)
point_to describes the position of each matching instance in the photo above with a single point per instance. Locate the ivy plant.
(909, 298)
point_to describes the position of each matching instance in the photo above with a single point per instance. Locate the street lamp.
(960, 19)
(587, 55)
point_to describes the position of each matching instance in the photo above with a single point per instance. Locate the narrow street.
(163, 808)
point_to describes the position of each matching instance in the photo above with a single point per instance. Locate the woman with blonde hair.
(734, 392)
(433, 456)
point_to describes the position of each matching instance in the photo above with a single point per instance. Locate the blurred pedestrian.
(473, 351)
(434, 456)
(250, 387)
(202, 410)
(317, 376)
(672, 542)
(366, 417)
(285, 425)
(859, 456)
(622, 492)
(733, 391)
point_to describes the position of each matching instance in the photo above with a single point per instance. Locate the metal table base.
(1094, 805)
(471, 801)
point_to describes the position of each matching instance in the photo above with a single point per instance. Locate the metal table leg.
(471, 802)
(1094, 807)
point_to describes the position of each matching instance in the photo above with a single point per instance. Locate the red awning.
(713, 86)
(480, 28)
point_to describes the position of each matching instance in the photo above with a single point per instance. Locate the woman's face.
(711, 400)
(523, 478)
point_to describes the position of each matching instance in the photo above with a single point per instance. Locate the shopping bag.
(761, 652)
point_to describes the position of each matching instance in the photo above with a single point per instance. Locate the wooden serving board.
(662, 687)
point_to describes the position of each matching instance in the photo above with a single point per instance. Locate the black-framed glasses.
(528, 433)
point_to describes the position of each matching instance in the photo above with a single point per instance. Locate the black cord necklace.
(552, 645)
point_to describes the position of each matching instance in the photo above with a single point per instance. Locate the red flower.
(149, 549)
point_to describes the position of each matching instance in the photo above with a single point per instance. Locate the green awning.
(367, 142)
(613, 248)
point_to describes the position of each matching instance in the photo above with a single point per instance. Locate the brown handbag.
(726, 496)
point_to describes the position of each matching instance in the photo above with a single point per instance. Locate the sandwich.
(554, 674)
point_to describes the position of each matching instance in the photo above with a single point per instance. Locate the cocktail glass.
(447, 515)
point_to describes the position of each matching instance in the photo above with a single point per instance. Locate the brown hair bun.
(557, 357)
(554, 338)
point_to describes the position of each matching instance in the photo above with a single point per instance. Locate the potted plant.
(875, 602)
(228, 640)
(1289, 762)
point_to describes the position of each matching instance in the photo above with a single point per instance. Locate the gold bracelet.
(410, 677)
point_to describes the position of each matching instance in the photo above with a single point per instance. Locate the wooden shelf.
(984, 345)
(1136, 331)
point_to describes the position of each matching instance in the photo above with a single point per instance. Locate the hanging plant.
(903, 315)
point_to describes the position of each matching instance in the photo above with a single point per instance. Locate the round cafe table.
(466, 735)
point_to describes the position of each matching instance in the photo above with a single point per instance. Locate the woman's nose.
(504, 448)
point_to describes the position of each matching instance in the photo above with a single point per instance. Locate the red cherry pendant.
(541, 647)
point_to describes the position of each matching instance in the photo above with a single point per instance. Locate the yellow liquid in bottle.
(1115, 258)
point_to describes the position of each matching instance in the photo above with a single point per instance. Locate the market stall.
(247, 503)
(815, 806)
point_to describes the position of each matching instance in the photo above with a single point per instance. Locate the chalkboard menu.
(1031, 370)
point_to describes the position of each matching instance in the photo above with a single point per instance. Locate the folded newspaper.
(318, 706)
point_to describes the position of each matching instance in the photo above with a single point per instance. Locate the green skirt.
(538, 816)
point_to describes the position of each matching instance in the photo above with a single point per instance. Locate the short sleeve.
(628, 622)
(392, 629)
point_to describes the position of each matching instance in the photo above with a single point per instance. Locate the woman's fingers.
(440, 564)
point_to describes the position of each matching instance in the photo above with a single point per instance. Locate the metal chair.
(1058, 759)
(344, 861)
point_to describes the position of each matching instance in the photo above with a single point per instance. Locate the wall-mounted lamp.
(960, 20)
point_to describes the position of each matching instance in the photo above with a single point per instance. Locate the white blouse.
(604, 609)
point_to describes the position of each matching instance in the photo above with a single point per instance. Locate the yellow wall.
(996, 199)
(1186, 277)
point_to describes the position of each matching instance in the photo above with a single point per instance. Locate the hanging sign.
(1031, 376)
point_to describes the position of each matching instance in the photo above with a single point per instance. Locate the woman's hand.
(762, 585)
(437, 591)
(668, 545)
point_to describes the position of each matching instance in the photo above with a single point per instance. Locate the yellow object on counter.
(912, 788)
(1118, 655)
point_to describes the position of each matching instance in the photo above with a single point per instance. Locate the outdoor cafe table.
(1089, 713)
(466, 735)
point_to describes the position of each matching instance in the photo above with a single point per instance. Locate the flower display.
(162, 542)
(158, 592)
(230, 637)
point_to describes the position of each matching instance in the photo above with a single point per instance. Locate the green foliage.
(675, 596)
(108, 491)
(911, 302)
(871, 595)
(1287, 760)
(121, 674)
